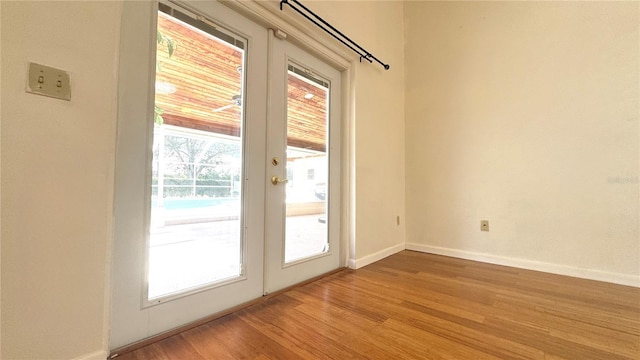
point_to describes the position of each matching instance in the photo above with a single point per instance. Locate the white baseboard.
(96, 355)
(369, 259)
(616, 278)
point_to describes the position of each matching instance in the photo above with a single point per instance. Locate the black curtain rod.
(364, 54)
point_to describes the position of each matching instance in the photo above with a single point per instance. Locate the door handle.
(276, 180)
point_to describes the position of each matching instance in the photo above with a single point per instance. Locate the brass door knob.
(276, 180)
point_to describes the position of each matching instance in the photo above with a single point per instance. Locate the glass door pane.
(302, 217)
(195, 237)
(307, 165)
(190, 187)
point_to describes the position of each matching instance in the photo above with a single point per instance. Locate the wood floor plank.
(453, 328)
(296, 331)
(413, 305)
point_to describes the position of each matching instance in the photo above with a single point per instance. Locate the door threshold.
(153, 339)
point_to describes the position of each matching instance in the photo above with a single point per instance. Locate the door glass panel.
(307, 166)
(195, 237)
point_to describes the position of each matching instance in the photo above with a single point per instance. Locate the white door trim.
(300, 32)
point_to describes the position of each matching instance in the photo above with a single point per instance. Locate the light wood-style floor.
(419, 306)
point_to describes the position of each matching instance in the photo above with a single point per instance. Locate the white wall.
(57, 178)
(58, 161)
(379, 123)
(525, 114)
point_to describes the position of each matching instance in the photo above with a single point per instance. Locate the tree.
(171, 46)
(204, 167)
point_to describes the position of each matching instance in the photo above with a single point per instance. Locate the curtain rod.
(364, 54)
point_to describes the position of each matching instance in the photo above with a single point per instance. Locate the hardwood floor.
(420, 306)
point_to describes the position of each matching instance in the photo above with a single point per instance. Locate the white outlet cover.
(48, 81)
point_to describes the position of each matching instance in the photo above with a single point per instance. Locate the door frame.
(268, 15)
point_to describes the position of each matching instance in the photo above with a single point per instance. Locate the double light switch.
(48, 81)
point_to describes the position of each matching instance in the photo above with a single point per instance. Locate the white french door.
(303, 150)
(203, 222)
(189, 198)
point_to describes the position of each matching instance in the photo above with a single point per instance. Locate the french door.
(227, 175)
(303, 156)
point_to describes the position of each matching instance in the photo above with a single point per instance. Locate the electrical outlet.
(48, 81)
(484, 225)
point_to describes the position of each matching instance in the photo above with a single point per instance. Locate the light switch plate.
(48, 81)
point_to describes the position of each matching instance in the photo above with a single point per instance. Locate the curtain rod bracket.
(329, 29)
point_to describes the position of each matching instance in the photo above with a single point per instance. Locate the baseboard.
(96, 355)
(370, 259)
(616, 278)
